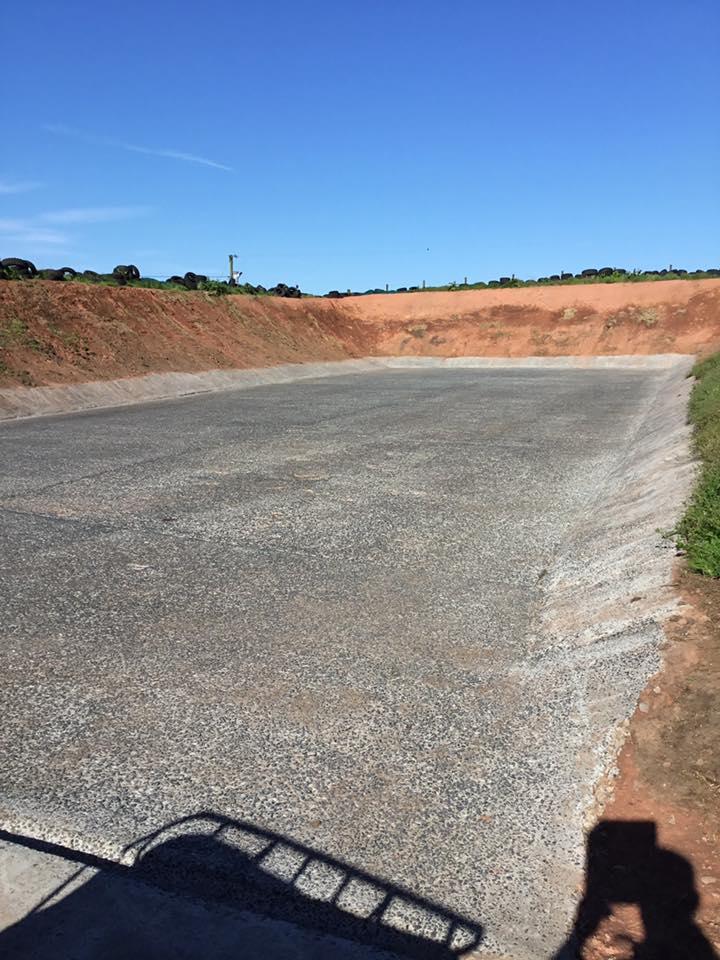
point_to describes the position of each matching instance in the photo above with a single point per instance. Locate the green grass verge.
(698, 532)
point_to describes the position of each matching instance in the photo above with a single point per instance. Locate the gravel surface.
(313, 607)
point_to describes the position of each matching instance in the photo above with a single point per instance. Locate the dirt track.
(69, 333)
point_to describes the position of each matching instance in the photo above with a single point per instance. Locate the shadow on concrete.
(211, 858)
(281, 894)
(625, 865)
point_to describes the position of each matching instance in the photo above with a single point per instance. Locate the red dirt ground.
(68, 332)
(669, 774)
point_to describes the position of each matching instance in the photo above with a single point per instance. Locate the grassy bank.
(699, 531)
(192, 281)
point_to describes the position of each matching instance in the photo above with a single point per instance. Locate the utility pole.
(231, 278)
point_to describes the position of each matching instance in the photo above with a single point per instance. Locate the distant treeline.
(591, 275)
(13, 268)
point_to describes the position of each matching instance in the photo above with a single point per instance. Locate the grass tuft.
(698, 532)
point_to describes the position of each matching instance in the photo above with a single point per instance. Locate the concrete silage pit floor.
(314, 608)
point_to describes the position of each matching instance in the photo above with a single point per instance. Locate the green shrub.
(148, 283)
(214, 288)
(698, 533)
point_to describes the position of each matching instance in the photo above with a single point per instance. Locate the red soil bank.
(54, 333)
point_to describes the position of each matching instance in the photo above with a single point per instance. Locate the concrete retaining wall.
(37, 401)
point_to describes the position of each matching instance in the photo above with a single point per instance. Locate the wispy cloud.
(173, 155)
(62, 130)
(92, 214)
(40, 231)
(8, 187)
(29, 233)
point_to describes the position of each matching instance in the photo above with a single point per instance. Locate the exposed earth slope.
(52, 333)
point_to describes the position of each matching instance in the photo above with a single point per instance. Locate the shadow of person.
(625, 865)
(280, 893)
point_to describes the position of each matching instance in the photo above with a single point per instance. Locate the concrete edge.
(610, 587)
(599, 630)
(21, 402)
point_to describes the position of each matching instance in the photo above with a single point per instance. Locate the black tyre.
(24, 267)
(127, 270)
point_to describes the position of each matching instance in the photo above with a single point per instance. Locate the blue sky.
(353, 144)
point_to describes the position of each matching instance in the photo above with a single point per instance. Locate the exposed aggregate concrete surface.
(70, 398)
(400, 618)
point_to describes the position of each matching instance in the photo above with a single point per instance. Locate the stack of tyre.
(191, 281)
(283, 290)
(13, 268)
